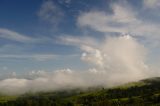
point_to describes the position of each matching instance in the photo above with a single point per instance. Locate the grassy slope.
(7, 98)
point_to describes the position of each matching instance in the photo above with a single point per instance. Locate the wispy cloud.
(37, 57)
(12, 35)
(65, 1)
(124, 19)
(50, 12)
(151, 4)
(8, 34)
(100, 21)
(76, 41)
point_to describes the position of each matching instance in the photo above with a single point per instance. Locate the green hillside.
(143, 93)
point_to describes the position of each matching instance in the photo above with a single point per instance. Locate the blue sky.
(51, 34)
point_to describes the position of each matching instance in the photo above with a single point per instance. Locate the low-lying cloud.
(114, 61)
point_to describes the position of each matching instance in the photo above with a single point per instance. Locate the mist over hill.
(113, 65)
(144, 92)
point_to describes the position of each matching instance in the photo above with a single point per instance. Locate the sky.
(29, 33)
(39, 36)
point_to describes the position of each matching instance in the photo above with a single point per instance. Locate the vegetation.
(143, 93)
